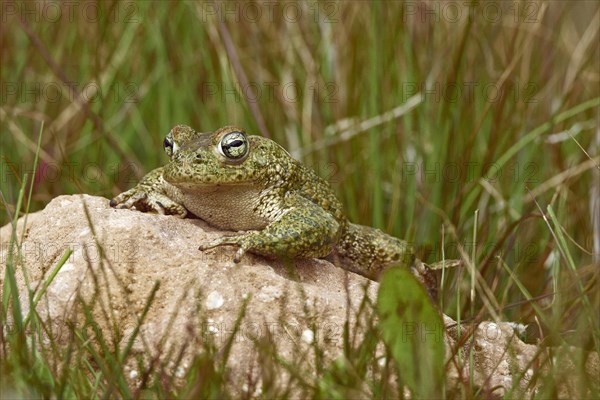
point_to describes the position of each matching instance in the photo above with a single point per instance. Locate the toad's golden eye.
(168, 144)
(234, 145)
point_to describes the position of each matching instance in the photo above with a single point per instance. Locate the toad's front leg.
(152, 194)
(304, 230)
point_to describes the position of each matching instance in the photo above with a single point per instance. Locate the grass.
(500, 140)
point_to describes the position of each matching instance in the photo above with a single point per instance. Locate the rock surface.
(201, 293)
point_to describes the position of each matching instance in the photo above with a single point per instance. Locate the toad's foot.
(151, 195)
(242, 241)
(148, 202)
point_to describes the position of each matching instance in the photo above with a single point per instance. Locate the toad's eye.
(168, 144)
(234, 145)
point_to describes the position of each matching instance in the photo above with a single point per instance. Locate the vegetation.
(470, 130)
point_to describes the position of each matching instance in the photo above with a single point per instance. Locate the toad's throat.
(230, 207)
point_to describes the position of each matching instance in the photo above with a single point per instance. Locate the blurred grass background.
(418, 113)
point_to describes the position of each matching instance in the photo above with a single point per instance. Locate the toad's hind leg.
(368, 251)
(304, 230)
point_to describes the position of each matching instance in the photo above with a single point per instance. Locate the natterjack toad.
(239, 182)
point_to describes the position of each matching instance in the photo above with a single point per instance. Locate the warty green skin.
(286, 209)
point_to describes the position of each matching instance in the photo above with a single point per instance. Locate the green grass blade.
(149, 300)
(413, 330)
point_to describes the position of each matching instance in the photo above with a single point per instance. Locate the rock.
(504, 365)
(201, 294)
